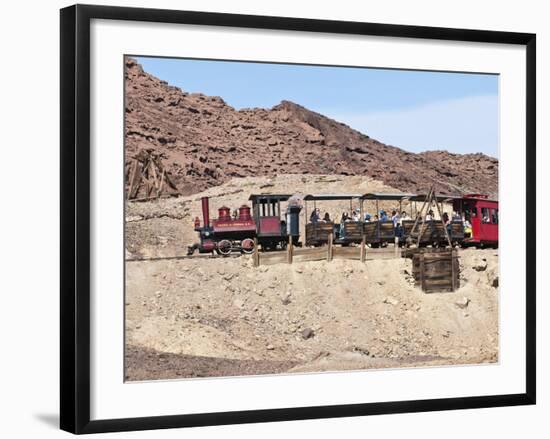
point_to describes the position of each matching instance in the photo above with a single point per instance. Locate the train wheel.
(247, 246)
(224, 247)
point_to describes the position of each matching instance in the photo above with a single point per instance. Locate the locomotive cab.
(272, 228)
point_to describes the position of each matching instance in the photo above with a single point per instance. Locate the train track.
(199, 256)
(236, 255)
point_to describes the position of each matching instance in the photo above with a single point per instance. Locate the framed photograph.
(273, 218)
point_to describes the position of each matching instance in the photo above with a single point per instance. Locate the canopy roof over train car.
(387, 196)
(396, 196)
(268, 198)
(439, 197)
(331, 197)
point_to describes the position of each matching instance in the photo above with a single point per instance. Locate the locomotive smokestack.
(205, 211)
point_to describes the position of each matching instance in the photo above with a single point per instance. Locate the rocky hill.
(206, 142)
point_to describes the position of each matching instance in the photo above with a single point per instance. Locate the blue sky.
(416, 111)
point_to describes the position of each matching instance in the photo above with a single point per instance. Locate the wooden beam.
(453, 272)
(134, 168)
(256, 254)
(161, 185)
(444, 225)
(422, 280)
(289, 250)
(138, 176)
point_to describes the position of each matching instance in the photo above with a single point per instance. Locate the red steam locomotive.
(238, 232)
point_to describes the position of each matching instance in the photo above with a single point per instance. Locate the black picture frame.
(75, 218)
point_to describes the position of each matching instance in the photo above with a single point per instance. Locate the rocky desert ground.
(206, 317)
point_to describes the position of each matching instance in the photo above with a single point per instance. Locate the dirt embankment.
(213, 317)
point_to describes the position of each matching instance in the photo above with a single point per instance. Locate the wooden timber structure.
(437, 230)
(146, 177)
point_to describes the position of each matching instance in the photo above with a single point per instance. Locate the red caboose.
(482, 214)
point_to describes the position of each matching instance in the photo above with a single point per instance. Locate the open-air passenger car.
(318, 232)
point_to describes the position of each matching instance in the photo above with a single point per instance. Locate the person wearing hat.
(383, 216)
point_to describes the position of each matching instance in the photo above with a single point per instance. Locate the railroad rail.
(199, 256)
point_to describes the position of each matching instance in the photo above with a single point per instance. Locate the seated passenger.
(456, 216)
(326, 218)
(344, 219)
(367, 217)
(374, 218)
(467, 229)
(396, 221)
(445, 218)
(404, 217)
(315, 216)
(383, 215)
(356, 216)
(395, 218)
(430, 215)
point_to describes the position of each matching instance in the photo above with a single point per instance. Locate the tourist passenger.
(403, 217)
(326, 218)
(343, 219)
(367, 217)
(467, 228)
(395, 218)
(430, 215)
(383, 215)
(315, 216)
(396, 223)
(456, 216)
(356, 216)
(445, 218)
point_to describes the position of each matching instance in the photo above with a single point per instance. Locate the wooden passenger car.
(379, 232)
(318, 233)
(353, 232)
